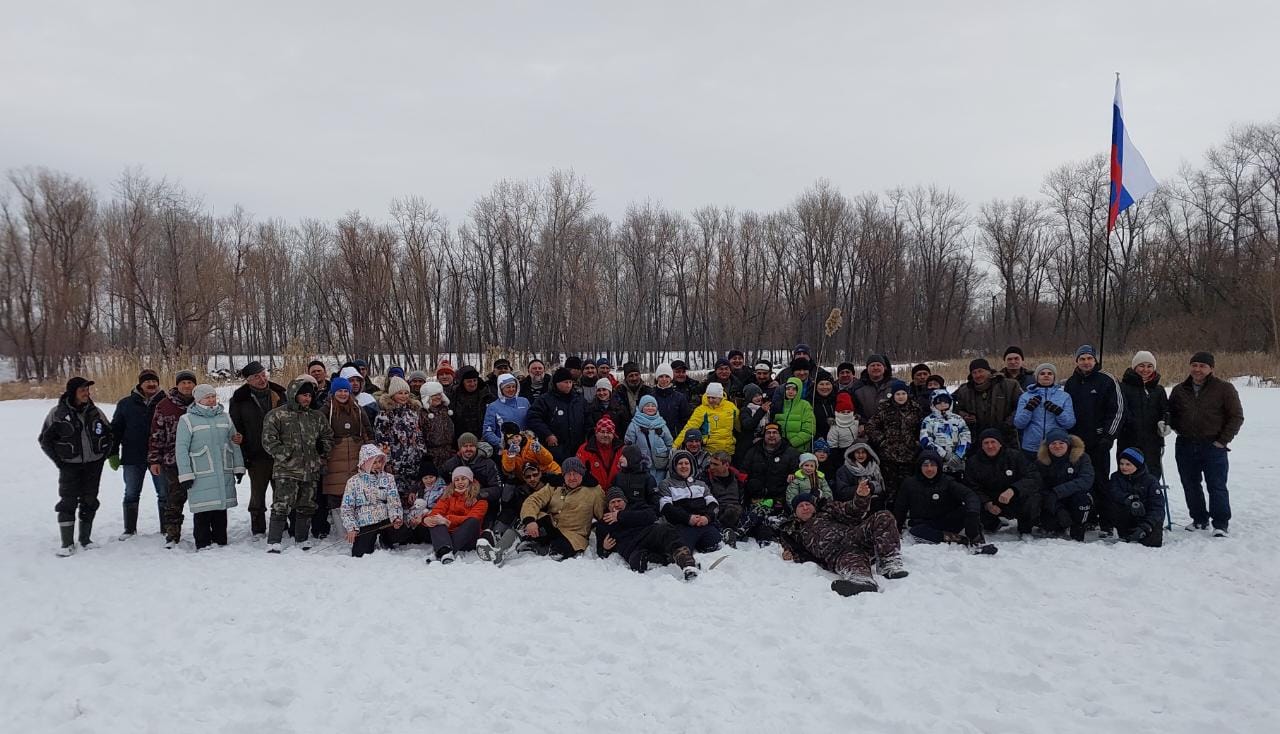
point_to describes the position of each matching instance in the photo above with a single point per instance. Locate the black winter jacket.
(131, 425)
(1145, 405)
(922, 499)
(248, 416)
(76, 435)
(562, 416)
(768, 473)
(1098, 405)
(991, 476)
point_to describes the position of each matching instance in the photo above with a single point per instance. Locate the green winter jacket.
(800, 484)
(297, 439)
(206, 457)
(796, 419)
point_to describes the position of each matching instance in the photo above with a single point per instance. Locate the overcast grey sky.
(312, 109)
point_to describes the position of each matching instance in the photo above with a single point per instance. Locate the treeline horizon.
(533, 269)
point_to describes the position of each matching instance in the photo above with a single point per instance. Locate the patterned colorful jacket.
(164, 428)
(369, 499)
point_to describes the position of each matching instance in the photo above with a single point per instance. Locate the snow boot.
(275, 531)
(301, 527)
(891, 567)
(730, 537)
(485, 549)
(983, 549)
(1221, 533)
(690, 573)
(130, 521)
(68, 532)
(1194, 526)
(445, 555)
(86, 530)
(275, 548)
(854, 585)
(1077, 533)
(505, 542)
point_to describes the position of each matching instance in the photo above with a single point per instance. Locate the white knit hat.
(431, 387)
(715, 390)
(1143, 356)
(664, 369)
(348, 372)
(604, 384)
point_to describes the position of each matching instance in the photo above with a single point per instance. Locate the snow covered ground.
(1047, 636)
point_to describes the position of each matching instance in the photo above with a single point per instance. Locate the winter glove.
(1138, 534)
(1052, 408)
(1033, 403)
(1163, 429)
(114, 461)
(924, 442)
(1136, 508)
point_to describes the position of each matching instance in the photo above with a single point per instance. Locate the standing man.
(919, 388)
(559, 417)
(320, 373)
(161, 456)
(298, 439)
(988, 400)
(537, 383)
(249, 406)
(683, 382)
(873, 386)
(1206, 413)
(1099, 411)
(742, 374)
(631, 389)
(1015, 370)
(76, 436)
(131, 426)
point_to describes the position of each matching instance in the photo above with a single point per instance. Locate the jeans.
(134, 474)
(1198, 459)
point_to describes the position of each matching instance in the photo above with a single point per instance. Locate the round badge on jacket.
(937, 496)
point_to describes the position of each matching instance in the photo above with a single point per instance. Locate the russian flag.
(1130, 178)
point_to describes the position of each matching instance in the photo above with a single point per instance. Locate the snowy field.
(1047, 636)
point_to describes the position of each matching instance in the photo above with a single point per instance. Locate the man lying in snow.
(842, 537)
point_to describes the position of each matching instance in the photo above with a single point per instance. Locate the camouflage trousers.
(174, 502)
(875, 537)
(292, 495)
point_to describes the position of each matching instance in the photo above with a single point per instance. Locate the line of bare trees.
(534, 269)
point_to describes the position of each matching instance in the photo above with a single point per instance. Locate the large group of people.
(833, 467)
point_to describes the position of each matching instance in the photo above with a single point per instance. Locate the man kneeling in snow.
(636, 535)
(841, 538)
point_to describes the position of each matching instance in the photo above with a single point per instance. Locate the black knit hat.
(1014, 350)
(573, 363)
(979, 364)
(922, 367)
(562, 374)
(1203, 358)
(991, 433)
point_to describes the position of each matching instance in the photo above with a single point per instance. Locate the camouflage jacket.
(297, 438)
(828, 533)
(164, 427)
(895, 431)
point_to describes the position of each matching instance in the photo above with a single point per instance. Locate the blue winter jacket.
(207, 458)
(500, 411)
(1034, 424)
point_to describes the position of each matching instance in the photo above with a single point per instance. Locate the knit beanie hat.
(1013, 350)
(802, 497)
(1084, 349)
(806, 456)
(878, 358)
(573, 465)
(715, 390)
(604, 384)
(922, 367)
(396, 385)
(1135, 456)
(979, 364)
(147, 374)
(820, 444)
(897, 385)
(606, 425)
(1143, 356)
(1203, 358)
(750, 391)
(348, 372)
(663, 369)
(467, 438)
(418, 375)
(991, 433)
(844, 402)
(1057, 434)
(615, 493)
(184, 375)
(339, 383)
(562, 374)
(1046, 366)
(202, 391)
(462, 470)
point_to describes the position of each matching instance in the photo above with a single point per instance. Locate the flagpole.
(1106, 265)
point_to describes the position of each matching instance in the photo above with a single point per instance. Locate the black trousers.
(209, 527)
(553, 540)
(320, 525)
(659, 542)
(462, 539)
(1100, 457)
(1024, 508)
(932, 529)
(78, 489)
(367, 540)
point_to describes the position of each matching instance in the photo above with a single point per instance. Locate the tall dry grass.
(116, 372)
(1173, 366)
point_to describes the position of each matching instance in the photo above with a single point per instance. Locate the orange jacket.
(453, 507)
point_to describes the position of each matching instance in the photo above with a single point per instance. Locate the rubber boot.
(258, 523)
(275, 532)
(301, 527)
(131, 518)
(67, 529)
(86, 531)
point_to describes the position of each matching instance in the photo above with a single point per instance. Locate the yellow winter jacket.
(717, 426)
